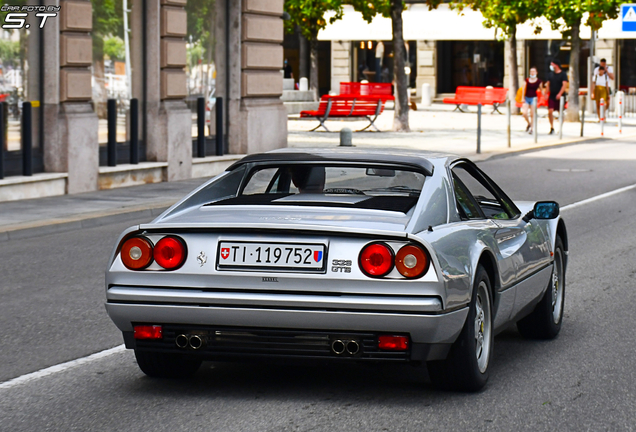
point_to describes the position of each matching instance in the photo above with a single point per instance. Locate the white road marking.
(60, 367)
(598, 197)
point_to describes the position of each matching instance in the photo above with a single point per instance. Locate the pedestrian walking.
(557, 85)
(531, 88)
(600, 90)
(609, 71)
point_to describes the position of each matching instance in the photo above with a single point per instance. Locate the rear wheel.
(545, 321)
(466, 368)
(164, 365)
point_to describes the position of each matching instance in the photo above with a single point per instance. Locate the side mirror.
(543, 210)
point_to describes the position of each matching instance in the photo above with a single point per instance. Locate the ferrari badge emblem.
(202, 258)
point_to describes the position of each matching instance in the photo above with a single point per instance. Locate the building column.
(249, 76)
(426, 66)
(340, 64)
(77, 151)
(158, 74)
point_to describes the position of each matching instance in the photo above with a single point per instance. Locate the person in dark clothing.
(557, 85)
(530, 91)
(287, 70)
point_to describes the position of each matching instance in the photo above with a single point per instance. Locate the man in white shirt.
(609, 71)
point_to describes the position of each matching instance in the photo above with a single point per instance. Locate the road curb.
(504, 154)
(54, 226)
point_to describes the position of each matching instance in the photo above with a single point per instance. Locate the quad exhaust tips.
(348, 346)
(194, 342)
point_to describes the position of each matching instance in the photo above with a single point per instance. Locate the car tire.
(165, 365)
(466, 367)
(545, 320)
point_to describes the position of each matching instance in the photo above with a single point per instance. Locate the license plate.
(279, 256)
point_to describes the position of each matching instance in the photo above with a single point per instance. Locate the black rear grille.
(246, 342)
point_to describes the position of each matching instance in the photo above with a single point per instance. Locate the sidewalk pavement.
(433, 128)
(438, 128)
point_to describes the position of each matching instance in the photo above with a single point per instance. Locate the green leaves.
(309, 15)
(503, 14)
(563, 14)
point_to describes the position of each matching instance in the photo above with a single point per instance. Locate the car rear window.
(373, 187)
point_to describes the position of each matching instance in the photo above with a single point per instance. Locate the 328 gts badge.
(341, 266)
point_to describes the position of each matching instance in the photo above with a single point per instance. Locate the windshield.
(373, 186)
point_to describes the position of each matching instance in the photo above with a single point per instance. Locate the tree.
(308, 16)
(108, 20)
(567, 16)
(201, 16)
(505, 16)
(393, 9)
(114, 48)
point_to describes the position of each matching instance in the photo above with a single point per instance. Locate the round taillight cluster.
(137, 253)
(411, 261)
(378, 259)
(170, 252)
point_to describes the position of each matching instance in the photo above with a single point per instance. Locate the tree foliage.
(503, 14)
(309, 16)
(201, 14)
(114, 48)
(9, 52)
(563, 14)
(108, 18)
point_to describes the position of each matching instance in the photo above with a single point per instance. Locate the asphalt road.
(52, 311)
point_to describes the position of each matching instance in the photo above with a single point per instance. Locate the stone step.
(297, 107)
(297, 96)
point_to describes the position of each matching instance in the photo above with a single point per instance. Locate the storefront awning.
(445, 24)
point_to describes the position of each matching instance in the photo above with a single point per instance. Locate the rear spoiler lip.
(300, 228)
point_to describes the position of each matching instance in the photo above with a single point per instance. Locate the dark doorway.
(469, 63)
(627, 72)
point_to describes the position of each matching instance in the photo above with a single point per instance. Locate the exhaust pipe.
(181, 341)
(196, 342)
(353, 347)
(338, 347)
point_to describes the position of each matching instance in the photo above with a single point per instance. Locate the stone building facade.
(248, 61)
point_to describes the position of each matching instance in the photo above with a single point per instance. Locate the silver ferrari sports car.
(349, 255)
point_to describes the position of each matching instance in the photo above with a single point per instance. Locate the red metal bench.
(494, 96)
(347, 106)
(381, 90)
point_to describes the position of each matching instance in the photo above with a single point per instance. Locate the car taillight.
(376, 259)
(136, 253)
(393, 343)
(148, 332)
(170, 252)
(411, 261)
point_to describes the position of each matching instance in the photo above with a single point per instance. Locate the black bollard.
(134, 131)
(112, 132)
(201, 127)
(220, 141)
(27, 140)
(2, 140)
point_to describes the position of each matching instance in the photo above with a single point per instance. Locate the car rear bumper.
(421, 318)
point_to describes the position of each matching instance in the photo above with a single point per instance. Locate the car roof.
(423, 160)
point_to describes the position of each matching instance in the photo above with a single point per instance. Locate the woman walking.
(600, 90)
(530, 91)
